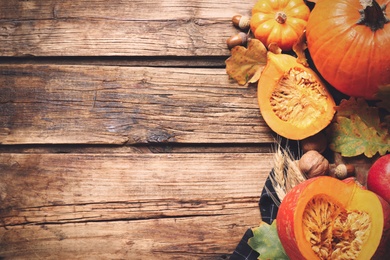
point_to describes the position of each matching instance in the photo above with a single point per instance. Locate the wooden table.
(122, 137)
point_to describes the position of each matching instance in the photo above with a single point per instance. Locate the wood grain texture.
(211, 237)
(118, 28)
(67, 205)
(72, 104)
(121, 135)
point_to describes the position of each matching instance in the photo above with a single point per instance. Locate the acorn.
(242, 22)
(237, 39)
(342, 171)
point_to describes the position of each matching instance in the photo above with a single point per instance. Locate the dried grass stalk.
(286, 173)
(278, 179)
(294, 175)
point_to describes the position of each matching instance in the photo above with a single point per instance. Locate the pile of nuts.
(313, 163)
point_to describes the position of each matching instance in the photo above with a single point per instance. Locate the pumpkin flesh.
(325, 218)
(349, 49)
(292, 99)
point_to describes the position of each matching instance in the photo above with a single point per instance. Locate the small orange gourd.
(326, 218)
(281, 22)
(293, 100)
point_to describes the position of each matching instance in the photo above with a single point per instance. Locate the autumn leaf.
(266, 242)
(384, 96)
(274, 48)
(246, 64)
(357, 130)
(369, 115)
(299, 48)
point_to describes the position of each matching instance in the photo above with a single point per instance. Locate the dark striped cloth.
(268, 211)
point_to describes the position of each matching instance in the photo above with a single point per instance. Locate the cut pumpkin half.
(326, 218)
(293, 100)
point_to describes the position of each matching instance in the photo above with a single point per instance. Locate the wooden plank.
(71, 104)
(122, 205)
(69, 179)
(166, 238)
(118, 28)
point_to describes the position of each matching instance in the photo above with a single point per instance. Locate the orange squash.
(293, 100)
(350, 45)
(281, 22)
(325, 218)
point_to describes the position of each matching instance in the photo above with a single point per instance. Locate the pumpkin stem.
(373, 15)
(280, 17)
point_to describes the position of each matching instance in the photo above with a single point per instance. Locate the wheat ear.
(278, 177)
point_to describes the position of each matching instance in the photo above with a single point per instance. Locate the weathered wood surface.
(126, 105)
(121, 135)
(189, 205)
(163, 238)
(118, 28)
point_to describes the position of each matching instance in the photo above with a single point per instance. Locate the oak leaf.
(246, 64)
(358, 106)
(357, 130)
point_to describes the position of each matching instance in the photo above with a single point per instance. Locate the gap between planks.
(148, 61)
(140, 148)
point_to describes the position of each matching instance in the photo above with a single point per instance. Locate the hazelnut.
(313, 164)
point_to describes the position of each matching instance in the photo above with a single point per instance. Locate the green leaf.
(354, 135)
(358, 106)
(266, 242)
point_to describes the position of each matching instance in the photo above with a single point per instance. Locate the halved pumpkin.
(325, 218)
(293, 100)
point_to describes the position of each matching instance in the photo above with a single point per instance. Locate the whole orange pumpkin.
(281, 22)
(349, 42)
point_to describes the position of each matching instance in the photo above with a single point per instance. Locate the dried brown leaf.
(274, 48)
(383, 96)
(246, 64)
(299, 49)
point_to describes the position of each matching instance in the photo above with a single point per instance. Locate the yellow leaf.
(274, 48)
(299, 49)
(256, 76)
(246, 64)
